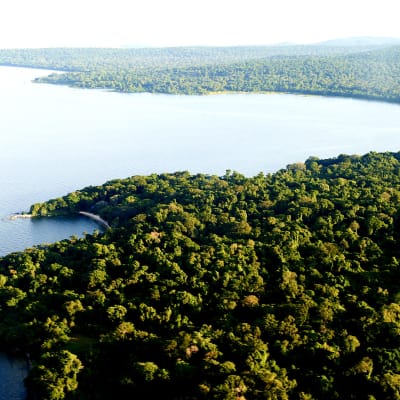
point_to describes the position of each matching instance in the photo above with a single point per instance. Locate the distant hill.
(362, 41)
(336, 68)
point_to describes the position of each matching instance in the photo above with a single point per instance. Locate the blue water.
(55, 139)
(12, 374)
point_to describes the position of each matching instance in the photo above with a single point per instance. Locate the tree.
(55, 375)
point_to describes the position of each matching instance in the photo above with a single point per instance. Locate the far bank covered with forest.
(367, 72)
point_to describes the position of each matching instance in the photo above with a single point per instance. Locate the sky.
(148, 23)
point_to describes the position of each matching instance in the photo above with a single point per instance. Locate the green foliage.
(55, 375)
(363, 72)
(277, 286)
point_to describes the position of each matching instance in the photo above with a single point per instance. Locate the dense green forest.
(371, 72)
(277, 286)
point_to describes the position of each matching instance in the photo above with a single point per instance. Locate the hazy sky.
(53, 23)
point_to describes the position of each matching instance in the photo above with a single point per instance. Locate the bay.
(55, 139)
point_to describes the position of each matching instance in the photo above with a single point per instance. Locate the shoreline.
(13, 217)
(90, 215)
(96, 218)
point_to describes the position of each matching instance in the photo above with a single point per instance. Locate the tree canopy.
(277, 286)
(370, 72)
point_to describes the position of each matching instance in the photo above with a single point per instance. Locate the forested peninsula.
(368, 72)
(277, 286)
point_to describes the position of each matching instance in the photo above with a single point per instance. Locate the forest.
(277, 286)
(369, 72)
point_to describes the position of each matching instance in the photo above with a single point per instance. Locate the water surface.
(12, 373)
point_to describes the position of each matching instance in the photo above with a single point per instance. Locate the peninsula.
(369, 70)
(280, 286)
